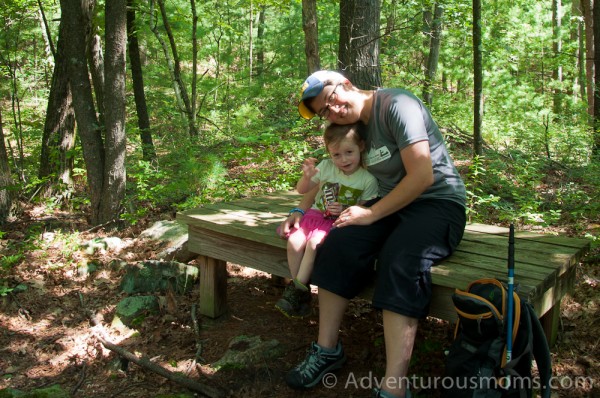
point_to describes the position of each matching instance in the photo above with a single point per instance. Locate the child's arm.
(309, 170)
(294, 217)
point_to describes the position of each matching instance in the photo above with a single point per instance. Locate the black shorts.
(398, 251)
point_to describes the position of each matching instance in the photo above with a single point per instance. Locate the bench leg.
(213, 286)
(550, 322)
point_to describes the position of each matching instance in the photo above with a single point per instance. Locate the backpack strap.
(541, 351)
(536, 345)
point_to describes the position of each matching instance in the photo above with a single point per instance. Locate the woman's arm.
(419, 176)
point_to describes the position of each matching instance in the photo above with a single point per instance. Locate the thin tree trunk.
(596, 131)
(94, 56)
(116, 146)
(588, 17)
(137, 76)
(96, 62)
(83, 103)
(168, 58)
(260, 39)
(46, 31)
(557, 73)
(434, 53)
(58, 140)
(194, 101)
(177, 71)
(311, 35)
(575, 38)
(359, 42)
(5, 178)
(478, 79)
(250, 44)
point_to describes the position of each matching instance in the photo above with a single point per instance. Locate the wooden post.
(213, 287)
(550, 321)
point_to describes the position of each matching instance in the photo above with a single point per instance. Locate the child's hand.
(289, 224)
(309, 168)
(334, 208)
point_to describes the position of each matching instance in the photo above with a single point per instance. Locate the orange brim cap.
(312, 87)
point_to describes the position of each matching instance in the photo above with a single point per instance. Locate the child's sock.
(300, 286)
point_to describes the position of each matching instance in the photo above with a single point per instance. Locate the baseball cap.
(312, 86)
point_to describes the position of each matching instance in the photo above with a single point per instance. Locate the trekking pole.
(511, 289)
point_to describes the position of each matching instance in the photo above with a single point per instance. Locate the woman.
(418, 219)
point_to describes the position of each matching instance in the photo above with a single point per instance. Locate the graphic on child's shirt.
(335, 192)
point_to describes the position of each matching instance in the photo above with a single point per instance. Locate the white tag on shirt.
(377, 155)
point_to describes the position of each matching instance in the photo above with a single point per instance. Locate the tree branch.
(145, 363)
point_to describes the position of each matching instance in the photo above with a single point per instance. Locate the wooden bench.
(243, 232)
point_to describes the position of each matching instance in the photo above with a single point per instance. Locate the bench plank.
(243, 232)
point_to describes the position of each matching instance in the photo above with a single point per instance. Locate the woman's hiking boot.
(318, 362)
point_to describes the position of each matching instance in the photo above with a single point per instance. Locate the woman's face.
(334, 104)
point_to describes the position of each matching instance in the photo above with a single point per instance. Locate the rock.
(175, 238)
(159, 276)
(245, 351)
(132, 310)
(103, 244)
(86, 268)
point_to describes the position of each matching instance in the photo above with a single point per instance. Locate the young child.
(336, 183)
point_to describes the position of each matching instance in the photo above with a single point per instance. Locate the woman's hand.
(355, 215)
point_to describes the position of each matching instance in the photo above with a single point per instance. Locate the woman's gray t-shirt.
(398, 118)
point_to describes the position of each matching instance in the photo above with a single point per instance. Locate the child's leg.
(295, 250)
(308, 260)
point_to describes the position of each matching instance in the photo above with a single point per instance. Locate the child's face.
(345, 155)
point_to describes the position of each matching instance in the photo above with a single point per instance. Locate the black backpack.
(476, 362)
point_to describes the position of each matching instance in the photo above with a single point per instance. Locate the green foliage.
(536, 169)
(9, 261)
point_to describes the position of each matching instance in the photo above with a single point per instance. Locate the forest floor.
(46, 337)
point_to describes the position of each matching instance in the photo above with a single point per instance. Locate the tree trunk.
(557, 73)
(46, 31)
(260, 41)
(586, 6)
(177, 71)
(83, 102)
(478, 79)
(94, 56)
(311, 35)
(114, 173)
(576, 37)
(596, 132)
(359, 42)
(96, 62)
(250, 42)
(434, 53)
(194, 106)
(137, 76)
(5, 178)
(58, 140)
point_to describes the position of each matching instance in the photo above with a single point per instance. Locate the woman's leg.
(331, 312)
(427, 232)
(399, 334)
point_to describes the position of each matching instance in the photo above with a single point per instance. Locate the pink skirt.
(313, 224)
